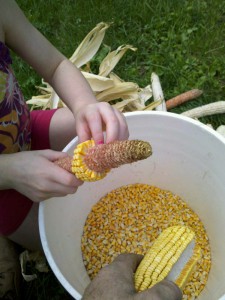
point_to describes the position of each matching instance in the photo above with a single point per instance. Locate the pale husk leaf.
(135, 100)
(111, 60)
(153, 105)
(221, 130)
(107, 86)
(90, 45)
(157, 92)
(145, 94)
(41, 101)
(26, 257)
(98, 83)
(121, 90)
(116, 79)
(121, 105)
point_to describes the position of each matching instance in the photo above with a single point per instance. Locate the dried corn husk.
(82, 55)
(106, 86)
(39, 260)
(157, 92)
(98, 83)
(120, 90)
(121, 105)
(137, 104)
(210, 126)
(153, 105)
(40, 101)
(135, 100)
(144, 94)
(111, 60)
(206, 110)
(221, 130)
(90, 45)
(52, 100)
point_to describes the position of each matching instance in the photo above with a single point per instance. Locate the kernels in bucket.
(130, 218)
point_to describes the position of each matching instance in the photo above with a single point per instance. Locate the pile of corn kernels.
(130, 218)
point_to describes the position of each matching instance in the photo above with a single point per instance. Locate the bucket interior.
(188, 159)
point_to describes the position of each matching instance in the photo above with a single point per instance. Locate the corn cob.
(206, 110)
(182, 98)
(158, 92)
(92, 162)
(173, 256)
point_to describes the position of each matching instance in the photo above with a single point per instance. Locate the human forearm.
(71, 86)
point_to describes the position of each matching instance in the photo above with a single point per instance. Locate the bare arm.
(23, 38)
(91, 117)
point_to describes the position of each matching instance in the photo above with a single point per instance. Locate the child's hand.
(33, 174)
(93, 119)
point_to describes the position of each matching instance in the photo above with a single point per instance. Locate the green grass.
(182, 41)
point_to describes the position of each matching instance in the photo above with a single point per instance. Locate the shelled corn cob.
(173, 255)
(206, 110)
(92, 162)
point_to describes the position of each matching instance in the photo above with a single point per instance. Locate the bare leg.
(27, 235)
(61, 132)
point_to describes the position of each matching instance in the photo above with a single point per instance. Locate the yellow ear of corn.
(92, 162)
(173, 256)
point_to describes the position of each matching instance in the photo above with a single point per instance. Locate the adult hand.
(116, 282)
(93, 119)
(33, 174)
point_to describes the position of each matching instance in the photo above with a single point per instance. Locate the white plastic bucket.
(188, 159)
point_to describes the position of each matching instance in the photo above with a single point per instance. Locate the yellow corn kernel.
(136, 213)
(173, 255)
